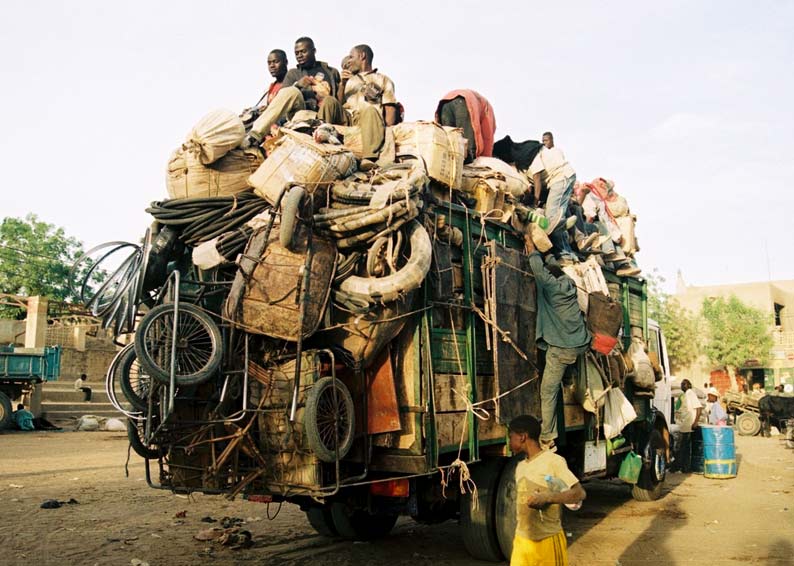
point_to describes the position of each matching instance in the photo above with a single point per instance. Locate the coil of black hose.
(202, 219)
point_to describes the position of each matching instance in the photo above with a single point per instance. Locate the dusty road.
(747, 520)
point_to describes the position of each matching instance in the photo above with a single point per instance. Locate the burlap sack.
(298, 159)
(215, 135)
(188, 177)
(442, 149)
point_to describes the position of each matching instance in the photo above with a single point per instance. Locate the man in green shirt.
(561, 331)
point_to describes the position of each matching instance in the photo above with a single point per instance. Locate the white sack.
(215, 135)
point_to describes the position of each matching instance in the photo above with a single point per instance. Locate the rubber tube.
(410, 277)
(290, 207)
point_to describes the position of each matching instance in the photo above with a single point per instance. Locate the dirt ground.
(118, 519)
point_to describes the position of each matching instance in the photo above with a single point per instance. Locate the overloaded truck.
(21, 369)
(354, 339)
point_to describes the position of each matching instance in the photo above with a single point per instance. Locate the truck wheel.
(329, 417)
(5, 411)
(651, 481)
(748, 424)
(506, 506)
(320, 519)
(198, 344)
(479, 525)
(357, 524)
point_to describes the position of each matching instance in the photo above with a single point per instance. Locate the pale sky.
(687, 106)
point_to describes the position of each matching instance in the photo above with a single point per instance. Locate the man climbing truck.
(407, 412)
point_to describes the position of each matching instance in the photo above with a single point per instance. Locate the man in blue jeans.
(561, 331)
(551, 169)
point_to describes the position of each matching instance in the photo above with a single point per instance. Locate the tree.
(682, 328)
(35, 259)
(737, 333)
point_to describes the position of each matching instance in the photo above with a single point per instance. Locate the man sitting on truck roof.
(308, 85)
(540, 479)
(561, 331)
(368, 100)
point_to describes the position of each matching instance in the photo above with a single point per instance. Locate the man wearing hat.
(717, 414)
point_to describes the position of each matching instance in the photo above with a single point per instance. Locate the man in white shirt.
(688, 414)
(551, 169)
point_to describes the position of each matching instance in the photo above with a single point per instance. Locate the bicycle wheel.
(135, 382)
(198, 351)
(329, 419)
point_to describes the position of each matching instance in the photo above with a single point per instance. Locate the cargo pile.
(271, 268)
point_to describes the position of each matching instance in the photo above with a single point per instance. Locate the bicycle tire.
(318, 423)
(127, 380)
(199, 353)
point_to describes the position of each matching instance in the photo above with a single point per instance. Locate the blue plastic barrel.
(697, 452)
(719, 452)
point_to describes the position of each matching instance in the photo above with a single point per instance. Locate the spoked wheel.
(198, 351)
(329, 419)
(135, 382)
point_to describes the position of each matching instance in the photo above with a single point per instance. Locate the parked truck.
(21, 369)
(397, 411)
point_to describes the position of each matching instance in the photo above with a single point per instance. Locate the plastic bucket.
(697, 451)
(719, 452)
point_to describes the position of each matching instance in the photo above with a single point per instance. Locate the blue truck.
(21, 369)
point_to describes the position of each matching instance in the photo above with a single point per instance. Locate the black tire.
(748, 424)
(651, 481)
(5, 411)
(134, 381)
(290, 207)
(357, 524)
(199, 351)
(135, 436)
(329, 412)
(478, 526)
(321, 520)
(506, 506)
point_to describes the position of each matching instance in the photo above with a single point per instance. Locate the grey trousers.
(557, 359)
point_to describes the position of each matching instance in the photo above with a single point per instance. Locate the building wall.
(763, 296)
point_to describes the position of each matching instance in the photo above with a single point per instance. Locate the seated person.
(277, 66)
(307, 86)
(367, 99)
(473, 113)
(80, 385)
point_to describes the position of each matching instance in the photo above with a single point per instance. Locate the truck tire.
(748, 424)
(5, 411)
(651, 481)
(321, 520)
(479, 525)
(328, 414)
(506, 506)
(357, 524)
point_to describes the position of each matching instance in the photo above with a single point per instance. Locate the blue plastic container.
(719, 452)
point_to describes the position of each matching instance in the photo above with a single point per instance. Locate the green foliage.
(682, 328)
(737, 332)
(35, 259)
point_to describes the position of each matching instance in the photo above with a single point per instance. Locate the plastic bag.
(618, 412)
(630, 468)
(590, 392)
(643, 375)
